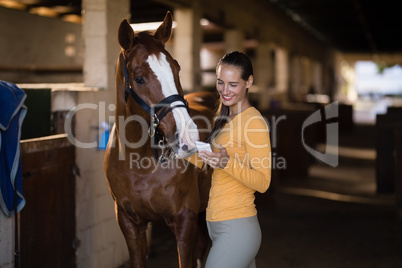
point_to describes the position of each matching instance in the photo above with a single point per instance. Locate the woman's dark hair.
(243, 63)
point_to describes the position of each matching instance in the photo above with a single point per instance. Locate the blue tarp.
(12, 114)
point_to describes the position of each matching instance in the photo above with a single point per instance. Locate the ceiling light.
(29, 2)
(12, 4)
(63, 9)
(44, 11)
(204, 22)
(148, 26)
(72, 18)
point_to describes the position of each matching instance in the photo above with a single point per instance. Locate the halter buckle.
(154, 124)
(161, 145)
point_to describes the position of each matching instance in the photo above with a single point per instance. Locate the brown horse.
(154, 130)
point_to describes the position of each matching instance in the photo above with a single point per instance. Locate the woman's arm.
(254, 168)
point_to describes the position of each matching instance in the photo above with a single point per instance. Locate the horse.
(155, 129)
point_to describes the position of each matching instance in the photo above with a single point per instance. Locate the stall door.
(47, 222)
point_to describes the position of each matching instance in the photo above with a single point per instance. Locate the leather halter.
(157, 111)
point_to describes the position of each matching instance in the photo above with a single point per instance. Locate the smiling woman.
(234, 77)
(233, 89)
(241, 159)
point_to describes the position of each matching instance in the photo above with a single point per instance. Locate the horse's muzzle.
(184, 150)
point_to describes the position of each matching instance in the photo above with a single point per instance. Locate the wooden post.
(385, 165)
(398, 182)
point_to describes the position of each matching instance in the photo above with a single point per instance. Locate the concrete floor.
(332, 218)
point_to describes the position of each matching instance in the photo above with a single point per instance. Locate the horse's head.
(152, 81)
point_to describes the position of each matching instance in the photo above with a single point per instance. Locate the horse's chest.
(149, 199)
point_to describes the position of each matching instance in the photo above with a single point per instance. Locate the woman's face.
(231, 87)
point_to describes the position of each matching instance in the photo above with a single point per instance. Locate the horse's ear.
(165, 29)
(126, 35)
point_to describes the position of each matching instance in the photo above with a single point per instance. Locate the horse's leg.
(149, 238)
(185, 227)
(204, 242)
(135, 235)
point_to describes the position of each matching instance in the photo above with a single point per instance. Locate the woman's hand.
(215, 160)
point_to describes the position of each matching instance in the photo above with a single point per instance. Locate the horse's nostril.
(177, 135)
(184, 147)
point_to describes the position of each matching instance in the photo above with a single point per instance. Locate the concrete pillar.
(325, 84)
(234, 40)
(317, 77)
(187, 46)
(305, 75)
(282, 72)
(101, 241)
(262, 73)
(101, 20)
(209, 59)
(338, 79)
(295, 78)
(7, 242)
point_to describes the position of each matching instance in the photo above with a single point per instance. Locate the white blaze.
(185, 125)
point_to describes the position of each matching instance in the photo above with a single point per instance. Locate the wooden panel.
(286, 128)
(398, 182)
(47, 222)
(385, 148)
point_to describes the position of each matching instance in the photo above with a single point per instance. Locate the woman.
(241, 160)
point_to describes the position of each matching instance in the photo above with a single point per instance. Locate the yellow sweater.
(246, 140)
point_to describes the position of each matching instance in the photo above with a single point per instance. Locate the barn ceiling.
(367, 26)
(350, 25)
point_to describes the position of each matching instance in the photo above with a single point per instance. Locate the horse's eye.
(139, 80)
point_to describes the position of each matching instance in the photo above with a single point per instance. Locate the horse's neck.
(132, 134)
